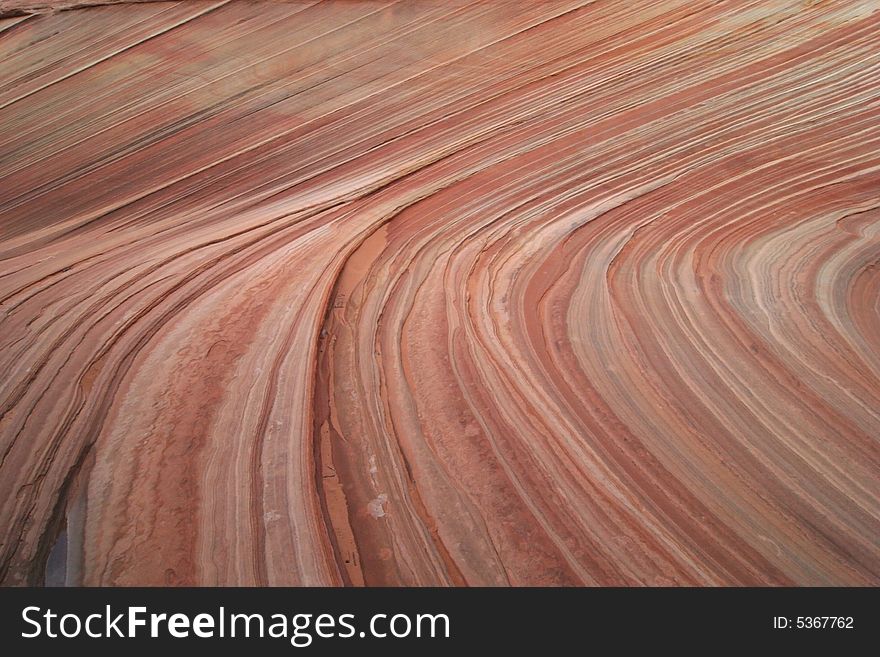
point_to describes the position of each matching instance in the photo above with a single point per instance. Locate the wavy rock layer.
(440, 293)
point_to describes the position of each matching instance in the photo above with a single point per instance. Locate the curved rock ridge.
(440, 293)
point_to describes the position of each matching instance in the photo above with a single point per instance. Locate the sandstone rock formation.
(443, 293)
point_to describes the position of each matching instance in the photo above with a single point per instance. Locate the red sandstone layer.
(440, 293)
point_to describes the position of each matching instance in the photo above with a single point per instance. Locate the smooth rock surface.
(440, 293)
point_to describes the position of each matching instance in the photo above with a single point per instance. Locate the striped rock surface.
(440, 293)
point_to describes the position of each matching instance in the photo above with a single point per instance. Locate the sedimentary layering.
(439, 292)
